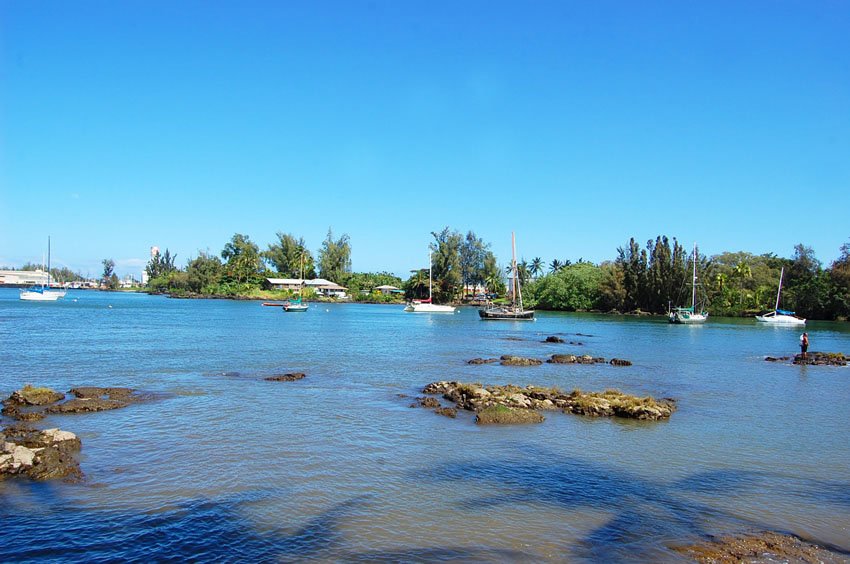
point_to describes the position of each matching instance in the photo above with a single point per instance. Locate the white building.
(23, 277)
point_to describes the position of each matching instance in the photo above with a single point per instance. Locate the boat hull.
(779, 319)
(295, 308)
(42, 296)
(505, 315)
(688, 319)
(429, 308)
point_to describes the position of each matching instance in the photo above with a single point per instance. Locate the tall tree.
(473, 250)
(536, 267)
(446, 264)
(161, 264)
(204, 273)
(335, 257)
(286, 256)
(243, 261)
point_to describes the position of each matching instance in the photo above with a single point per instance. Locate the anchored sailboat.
(780, 316)
(296, 305)
(694, 314)
(425, 306)
(43, 293)
(514, 311)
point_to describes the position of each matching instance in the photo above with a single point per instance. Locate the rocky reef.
(759, 547)
(50, 453)
(512, 360)
(813, 358)
(499, 404)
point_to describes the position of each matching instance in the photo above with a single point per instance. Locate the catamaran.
(514, 311)
(694, 314)
(780, 316)
(43, 293)
(425, 306)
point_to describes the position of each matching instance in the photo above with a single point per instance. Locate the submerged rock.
(620, 362)
(759, 547)
(87, 405)
(574, 359)
(449, 412)
(426, 402)
(553, 339)
(289, 377)
(482, 360)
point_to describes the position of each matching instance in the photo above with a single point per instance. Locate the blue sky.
(575, 124)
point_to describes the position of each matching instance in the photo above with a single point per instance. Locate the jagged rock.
(427, 402)
(446, 412)
(30, 395)
(509, 360)
(482, 360)
(289, 377)
(553, 339)
(620, 362)
(39, 455)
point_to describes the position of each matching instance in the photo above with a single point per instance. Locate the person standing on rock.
(804, 344)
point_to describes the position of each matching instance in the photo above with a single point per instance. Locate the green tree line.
(656, 276)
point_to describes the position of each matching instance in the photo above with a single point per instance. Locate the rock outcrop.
(610, 403)
(510, 360)
(822, 359)
(39, 455)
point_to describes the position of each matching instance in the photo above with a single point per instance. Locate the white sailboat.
(780, 316)
(513, 311)
(425, 306)
(43, 293)
(690, 315)
(296, 305)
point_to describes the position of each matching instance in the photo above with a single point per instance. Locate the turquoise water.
(226, 466)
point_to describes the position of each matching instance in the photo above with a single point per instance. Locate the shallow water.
(226, 466)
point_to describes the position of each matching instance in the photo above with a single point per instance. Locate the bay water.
(223, 465)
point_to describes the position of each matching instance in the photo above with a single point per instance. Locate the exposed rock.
(446, 412)
(474, 397)
(502, 415)
(776, 359)
(509, 360)
(553, 339)
(616, 403)
(426, 402)
(573, 359)
(86, 405)
(30, 395)
(38, 455)
(822, 359)
(759, 547)
(563, 359)
(620, 362)
(126, 395)
(482, 360)
(289, 377)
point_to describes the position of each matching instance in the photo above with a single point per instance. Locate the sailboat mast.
(517, 292)
(779, 290)
(48, 261)
(694, 283)
(429, 276)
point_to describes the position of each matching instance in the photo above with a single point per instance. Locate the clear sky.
(575, 124)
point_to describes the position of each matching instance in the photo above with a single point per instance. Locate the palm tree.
(555, 266)
(536, 267)
(742, 271)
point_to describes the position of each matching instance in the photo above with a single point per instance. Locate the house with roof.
(321, 286)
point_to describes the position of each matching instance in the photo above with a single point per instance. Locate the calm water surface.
(226, 466)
